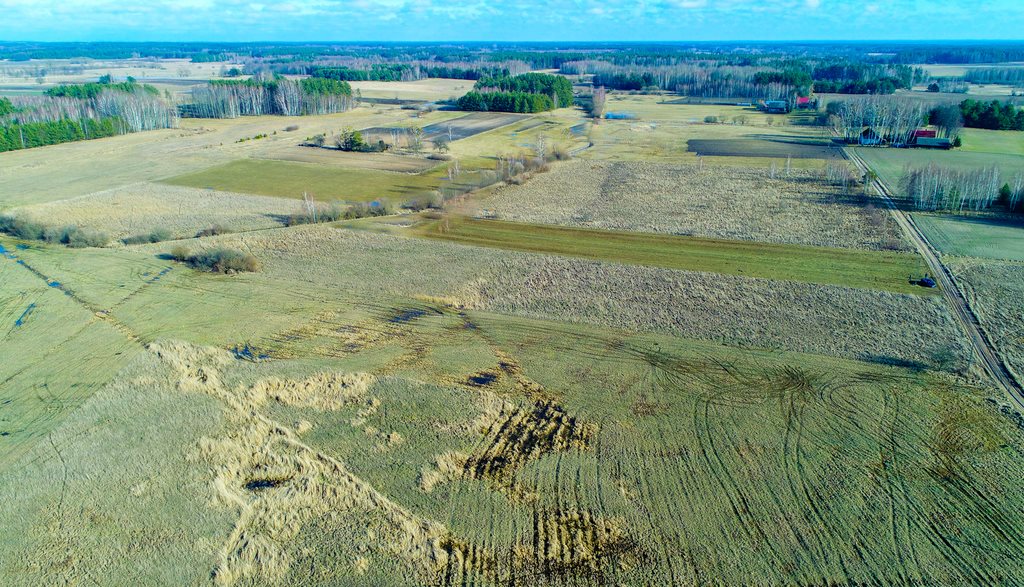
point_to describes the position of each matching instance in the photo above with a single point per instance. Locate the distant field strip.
(861, 269)
(290, 180)
(458, 128)
(986, 238)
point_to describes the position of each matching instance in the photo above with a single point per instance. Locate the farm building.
(806, 103)
(870, 137)
(933, 143)
(776, 106)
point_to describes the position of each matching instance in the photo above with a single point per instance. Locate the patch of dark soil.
(407, 315)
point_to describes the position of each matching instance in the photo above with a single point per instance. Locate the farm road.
(968, 320)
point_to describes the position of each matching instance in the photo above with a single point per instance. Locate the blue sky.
(499, 20)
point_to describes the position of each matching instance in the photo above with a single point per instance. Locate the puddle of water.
(24, 315)
(258, 484)
(407, 316)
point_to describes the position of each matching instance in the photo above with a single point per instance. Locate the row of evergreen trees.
(254, 97)
(39, 134)
(556, 87)
(522, 102)
(992, 115)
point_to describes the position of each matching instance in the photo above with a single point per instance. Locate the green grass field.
(984, 238)
(890, 163)
(288, 179)
(1000, 142)
(847, 267)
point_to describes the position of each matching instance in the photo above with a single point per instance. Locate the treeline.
(957, 190)
(103, 110)
(702, 80)
(526, 93)
(521, 102)
(39, 134)
(404, 72)
(556, 87)
(995, 75)
(234, 98)
(91, 90)
(992, 115)
(767, 78)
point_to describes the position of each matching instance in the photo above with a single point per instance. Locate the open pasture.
(426, 90)
(847, 267)
(889, 164)
(974, 236)
(139, 209)
(457, 128)
(713, 202)
(289, 179)
(334, 157)
(86, 167)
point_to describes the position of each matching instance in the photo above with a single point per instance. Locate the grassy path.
(846, 267)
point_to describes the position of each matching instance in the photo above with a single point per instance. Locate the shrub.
(711, 120)
(76, 237)
(559, 153)
(21, 228)
(291, 128)
(223, 260)
(214, 230)
(158, 235)
(72, 235)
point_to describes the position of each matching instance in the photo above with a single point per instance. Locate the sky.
(501, 20)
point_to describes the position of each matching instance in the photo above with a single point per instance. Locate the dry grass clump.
(277, 483)
(829, 320)
(713, 202)
(995, 291)
(325, 391)
(132, 212)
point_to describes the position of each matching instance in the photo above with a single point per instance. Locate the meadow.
(847, 267)
(799, 207)
(288, 179)
(311, 470)
(650, 369)
(968, 236)
(889, 164)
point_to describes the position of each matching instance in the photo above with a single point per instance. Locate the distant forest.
(75, 112)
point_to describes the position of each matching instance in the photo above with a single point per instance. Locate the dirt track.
(990, 360)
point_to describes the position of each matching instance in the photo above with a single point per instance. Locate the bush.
(214, 230)
(72, 235)
(21, 228)
(291, 128)
(78, 238)
(559, 153)
(710, 120)
(158, 235)
(223, 260)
